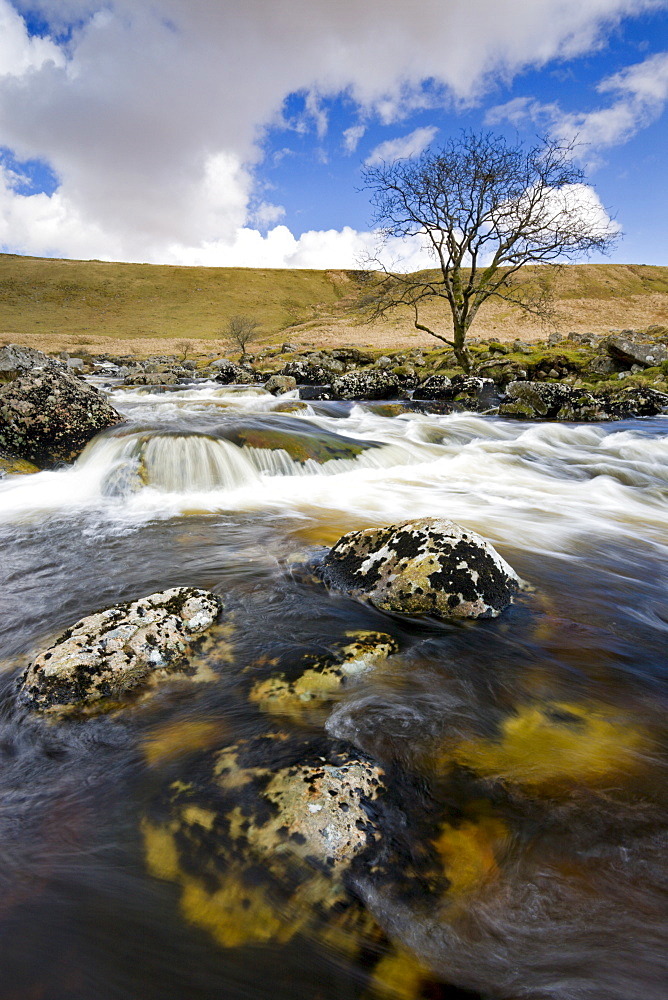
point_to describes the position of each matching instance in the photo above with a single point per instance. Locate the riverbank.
(100, 307)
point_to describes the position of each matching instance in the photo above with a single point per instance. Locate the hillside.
(75, 305)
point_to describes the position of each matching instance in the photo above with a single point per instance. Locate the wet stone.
(260, 834)
(104, 657)
(429, 566)
(300, 688)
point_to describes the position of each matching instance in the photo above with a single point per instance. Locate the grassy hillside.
(56, 304)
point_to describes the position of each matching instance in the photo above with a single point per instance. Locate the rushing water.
(528, 751)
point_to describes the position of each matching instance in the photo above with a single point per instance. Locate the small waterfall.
(277, 462)
(171, 463)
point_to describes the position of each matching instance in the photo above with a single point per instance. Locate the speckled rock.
(261, 834)
(307, 372)
(435, 387)
(48, 416)
(102, 658)
(428, 566)
(230, 373)
(371, 383)
(301, 686)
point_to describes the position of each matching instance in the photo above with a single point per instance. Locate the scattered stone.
(501, 371)
(48, 416)
(232, 374)
(429, 566)
(102, 658)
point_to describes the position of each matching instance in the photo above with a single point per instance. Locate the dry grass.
(145, 309)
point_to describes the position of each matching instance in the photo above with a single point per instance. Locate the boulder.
(314, 392)
(501, 371)
(366, 384)
(48, 416)
(428, 566)
(638, 352)
(537, 399)
(635, 401)
(102, 658)
(151, 378)
(474, 393)
(307, 372)
(277, 384)
(434, 387)
(16, 360)
(352, 356)
(230, 373)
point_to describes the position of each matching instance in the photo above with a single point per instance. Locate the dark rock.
(151, 378)
(540, 399)
(645, 353)
(428, 566)
(49, 416)
(232, 374)
(635, 401)
(434, 387)
(104, 656)
(307, 373)
(315, 392)
(366, 384)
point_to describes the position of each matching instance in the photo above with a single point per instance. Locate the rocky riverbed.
(364, 693)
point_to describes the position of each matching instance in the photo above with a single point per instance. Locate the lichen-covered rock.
(435, 387)
(260, 836)
(16, 360)
(299, 687)
(638, 352)
(544, 398)
(429, 566)
(635, 401)
(152, 378)
(48, 416)
(229, 373)
(10, 466)
(102, 658)
(366, 384)
(307, 372)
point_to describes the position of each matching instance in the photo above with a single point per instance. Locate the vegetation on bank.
(63, 304)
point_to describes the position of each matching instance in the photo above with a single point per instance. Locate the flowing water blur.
(527, 751)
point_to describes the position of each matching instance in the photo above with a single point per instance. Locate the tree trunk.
(461, 353)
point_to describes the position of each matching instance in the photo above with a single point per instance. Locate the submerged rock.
(299, 687)
(260, 836)
(103, 657)
(48, 416)
(429, 566)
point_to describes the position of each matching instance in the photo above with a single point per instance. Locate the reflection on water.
(523, 847)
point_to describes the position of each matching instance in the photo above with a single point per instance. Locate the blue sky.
(221, 133)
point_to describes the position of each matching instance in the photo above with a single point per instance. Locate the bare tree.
(184, 347)
(241, 330)
(484, 209)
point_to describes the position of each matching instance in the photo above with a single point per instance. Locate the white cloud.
(352, 136)
(641, 93)
(405, 146)
(152, 114)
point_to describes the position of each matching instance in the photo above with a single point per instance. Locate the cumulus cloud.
(403, 147)
(152, 115)
(640, 94)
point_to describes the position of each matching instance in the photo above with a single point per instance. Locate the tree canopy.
(484, 208)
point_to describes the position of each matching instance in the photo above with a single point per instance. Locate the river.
(527, 752)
